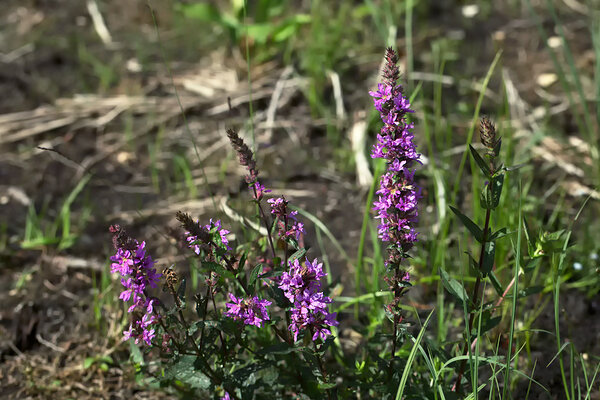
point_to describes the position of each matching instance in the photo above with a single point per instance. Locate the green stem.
(475, 298)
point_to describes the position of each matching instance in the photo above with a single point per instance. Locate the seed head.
(487, 133)
(245, 155)
(193, 227)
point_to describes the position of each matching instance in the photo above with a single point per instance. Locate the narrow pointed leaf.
(489, 251)
(480, 162)
(181, 292)
(496, 283)
(487, 324)
(531, 264)
(188, 370)
(298, 254)
(454, 287)
(469, 224)
(497, 147)
(201, 303)
(254, 275)
(500, 233)
(473, 266)
(496, 188)
(218, 268)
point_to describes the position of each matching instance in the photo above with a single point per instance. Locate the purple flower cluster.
(398, 193)
(252, 311)
(213, 227)
(137, 274)
(258, 191)
(287, 222)
(302, 286)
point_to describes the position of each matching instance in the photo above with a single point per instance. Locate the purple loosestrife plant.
(137, 275)
(217, 353)
(252, 311)
(309, 307)
(212, 227)
(288, 224)
(398, 194)
(302, 287)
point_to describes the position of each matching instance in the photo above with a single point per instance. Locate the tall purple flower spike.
(398, 194)
(137, 275)
(301, 285)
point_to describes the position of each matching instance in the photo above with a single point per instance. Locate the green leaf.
(489, 251)
(549, 243)
(242, 261)
(135, 354)
(514, 167)
(490, 195)
(284, 32)
(218, 268)
(552, 236)
(500, 233)
(454, 287)
(487, 324)
(246, 375)
(290, 26)
(271, 274)
(530, 264)
(181, 292)
(496, 188)
(326, 385)
(411, 358)
(529, 237)
(473, 265)
(88, 362)
(201, 303)
(188, 371)
(278, 348)
(210, 324)
(259, 32)
(530, 290)
(297, 255)
(497, 147)
(254, 274)
(480, 162)
(469, 224)
(496, 283)
(200, 11)
(277, 295)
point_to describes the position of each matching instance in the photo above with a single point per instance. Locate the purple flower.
(398, 194)
(258, 190)
(301, 285)
(286, 221)
(301, 280)
(137, 275)
(141, 329)
(226, 397)
(396, 205)
(216, 231)
(252, 311)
